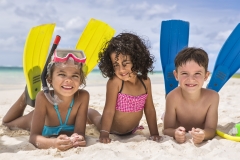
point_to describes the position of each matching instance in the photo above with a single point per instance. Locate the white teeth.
(67, 87)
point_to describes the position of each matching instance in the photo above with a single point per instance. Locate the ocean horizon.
(13, 78)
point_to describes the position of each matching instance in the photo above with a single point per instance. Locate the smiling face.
(122, 66)
(191, 76)
(65, 80)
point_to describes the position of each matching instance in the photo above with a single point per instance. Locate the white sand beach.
(15, 145)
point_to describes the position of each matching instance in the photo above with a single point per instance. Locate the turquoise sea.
(13, 78)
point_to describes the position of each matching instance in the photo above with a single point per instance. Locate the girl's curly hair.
(127, 44)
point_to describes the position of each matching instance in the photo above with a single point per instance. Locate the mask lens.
(63, 54)
(79, 54)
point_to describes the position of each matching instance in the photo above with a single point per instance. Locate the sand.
(15, 145)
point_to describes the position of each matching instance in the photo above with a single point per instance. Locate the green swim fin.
(34, 57)
(95, 34)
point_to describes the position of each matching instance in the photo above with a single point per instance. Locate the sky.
(211, 22)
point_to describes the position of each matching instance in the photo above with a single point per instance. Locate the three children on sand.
(126, 61)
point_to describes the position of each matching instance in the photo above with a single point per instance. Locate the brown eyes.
(115, 65)
(64, 75)
(123, 64)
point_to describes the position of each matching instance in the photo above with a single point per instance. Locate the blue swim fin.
(173, 38)
(228, 61)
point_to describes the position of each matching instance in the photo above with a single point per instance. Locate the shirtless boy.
(189, 107)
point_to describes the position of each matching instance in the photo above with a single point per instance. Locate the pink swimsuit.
(128, 103)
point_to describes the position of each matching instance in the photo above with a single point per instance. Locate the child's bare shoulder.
(115, 81)
(40, 93)
(147, 81)
(210, 93)
(40, 96)
(82, 94)
(81, 98)
(175, 93)
(41, 100)
(174, 96)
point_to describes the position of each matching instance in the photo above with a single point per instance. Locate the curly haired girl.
(126, 61)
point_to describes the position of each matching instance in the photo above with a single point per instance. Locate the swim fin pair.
(37, 44)
(173, 38)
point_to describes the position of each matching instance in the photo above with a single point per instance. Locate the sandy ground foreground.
(15, 145)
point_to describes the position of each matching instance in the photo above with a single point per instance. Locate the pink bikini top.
(129, 103)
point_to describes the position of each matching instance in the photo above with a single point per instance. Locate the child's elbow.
(32, 139)
(210, 133)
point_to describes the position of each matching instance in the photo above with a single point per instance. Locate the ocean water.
(13, 78)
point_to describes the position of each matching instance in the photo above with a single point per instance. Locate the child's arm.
(81, 118)
(150, 113)
(212, 117)
(109, 110)
(210, 126)
(38, 121)
(169, 122)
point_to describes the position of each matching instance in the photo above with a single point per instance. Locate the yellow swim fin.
(34, 58)
(93, 37)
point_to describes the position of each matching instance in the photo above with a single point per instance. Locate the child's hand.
(156, 138)
(63, 143)
(180, 135)
(104, 138)
(198, 135)
(78, 140)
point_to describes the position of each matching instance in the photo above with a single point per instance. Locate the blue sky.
(211, 22)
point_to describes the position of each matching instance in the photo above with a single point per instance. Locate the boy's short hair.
(198, 55)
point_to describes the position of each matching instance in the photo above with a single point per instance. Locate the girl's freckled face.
(66, 80)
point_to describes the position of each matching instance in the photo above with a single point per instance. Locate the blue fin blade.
(173, 38)
(228, 61)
